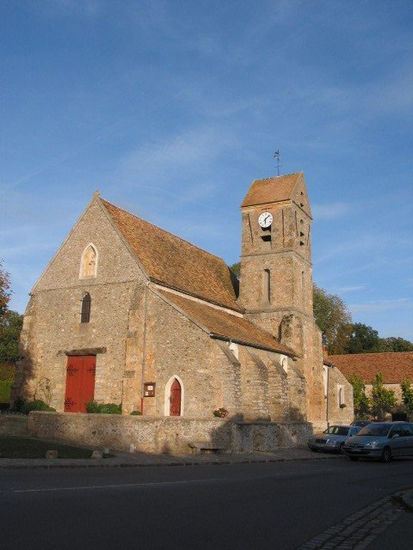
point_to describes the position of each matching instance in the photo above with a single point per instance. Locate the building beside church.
(128, 313)
(393, 366)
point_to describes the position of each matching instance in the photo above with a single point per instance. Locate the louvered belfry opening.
(86, 305)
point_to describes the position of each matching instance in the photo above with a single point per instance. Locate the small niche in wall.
(88, 263)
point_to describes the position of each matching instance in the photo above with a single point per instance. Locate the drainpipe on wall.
(144, 346)
(328, 392)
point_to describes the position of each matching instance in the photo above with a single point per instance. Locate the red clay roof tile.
(271, 189)
(174, 262)
(394, 366)
(226, 325)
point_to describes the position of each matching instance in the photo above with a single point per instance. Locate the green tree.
(361, 402)
(10, 327)
(236, 269)
(333, 319)
(396, 344)
(5, 291)
(382, 401)
(407, 394)
(363, 339)
(10, 322)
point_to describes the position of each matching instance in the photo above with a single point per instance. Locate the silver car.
(332, 439)
(382, 440)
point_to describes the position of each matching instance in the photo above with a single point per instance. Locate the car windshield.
(337, 430)
(375, 430)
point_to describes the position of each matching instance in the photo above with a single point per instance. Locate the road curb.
(103, 463)
(405, 498)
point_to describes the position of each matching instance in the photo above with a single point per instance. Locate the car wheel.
(354, 458)
(341, 448)
(386, 455)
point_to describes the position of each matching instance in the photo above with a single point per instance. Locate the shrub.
(36, 405)
(92, 407)
(5, 389)
(103, 408)
(110, 408)
(6, 382)
(6, 372)
(136, 413)
(221, 412)
(18, 405)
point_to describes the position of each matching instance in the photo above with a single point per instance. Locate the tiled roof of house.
(271, 189)
(394, 366)
(226, 325)
(174, 262)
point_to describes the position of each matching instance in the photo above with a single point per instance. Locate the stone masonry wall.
(165, 435)
(337, 414)
(276, 287)
(52, 324)
(13, 425)
(176, 347)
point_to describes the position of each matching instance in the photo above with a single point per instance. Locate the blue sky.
(171, 109)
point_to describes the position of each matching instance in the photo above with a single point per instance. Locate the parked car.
(382, 440)
(332, 439)
(360, 423)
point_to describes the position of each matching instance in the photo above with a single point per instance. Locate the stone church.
(128, 313)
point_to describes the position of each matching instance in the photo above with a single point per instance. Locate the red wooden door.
(80, 382)
(175, 399)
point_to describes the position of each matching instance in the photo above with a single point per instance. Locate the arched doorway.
(175, 399)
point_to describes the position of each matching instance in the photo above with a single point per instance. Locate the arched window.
(88, 264)
(86, 304)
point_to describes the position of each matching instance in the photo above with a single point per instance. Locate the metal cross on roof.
(277, 156)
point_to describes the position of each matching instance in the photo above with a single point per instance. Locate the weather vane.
(277, 156)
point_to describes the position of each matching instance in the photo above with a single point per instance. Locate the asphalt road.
(253, 506)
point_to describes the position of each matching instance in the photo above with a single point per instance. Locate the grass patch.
(21, 447)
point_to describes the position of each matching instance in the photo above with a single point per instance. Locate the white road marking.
(276, 476)
(118, 486)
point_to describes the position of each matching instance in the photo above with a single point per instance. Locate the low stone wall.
(249, 437)
(165, 435)
(13, 425)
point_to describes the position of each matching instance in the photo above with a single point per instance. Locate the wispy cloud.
(177, 157)
(28, 249)
(59, 8)
(393, 96)
(383, 305)
(344, 289)
(350, 247)
(330, 211)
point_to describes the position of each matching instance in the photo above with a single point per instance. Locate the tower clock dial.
(265, 220)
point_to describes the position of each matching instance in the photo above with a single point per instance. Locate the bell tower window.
(267, 286)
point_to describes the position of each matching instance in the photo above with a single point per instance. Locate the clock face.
(265, 219)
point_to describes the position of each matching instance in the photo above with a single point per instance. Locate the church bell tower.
(276, 286)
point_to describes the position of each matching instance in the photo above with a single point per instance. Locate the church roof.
(270, 190)
(394, 366)
(174, 262)
(227, 326)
